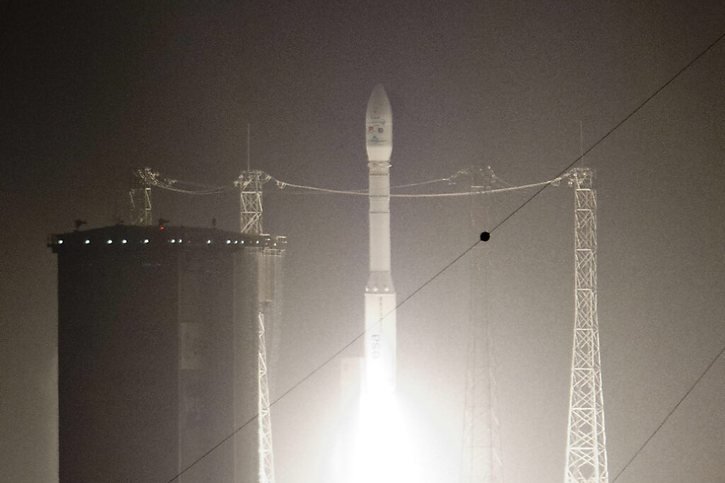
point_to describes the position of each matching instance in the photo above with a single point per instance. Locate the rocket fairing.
(380, 299)
(379, 126)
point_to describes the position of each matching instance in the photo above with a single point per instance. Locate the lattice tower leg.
(140, 200)
(482, 461)
(266, 454)
(586, 453)
(250, 199)
(481, 450)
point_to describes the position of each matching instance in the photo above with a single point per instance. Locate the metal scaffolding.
(586, 453)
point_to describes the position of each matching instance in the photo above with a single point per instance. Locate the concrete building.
(157, 351)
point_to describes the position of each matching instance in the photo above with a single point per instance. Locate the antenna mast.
(250, 185)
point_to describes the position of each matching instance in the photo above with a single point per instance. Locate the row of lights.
(108, 242)
(172, 240)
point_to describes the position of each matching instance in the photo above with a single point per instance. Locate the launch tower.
(586, 452)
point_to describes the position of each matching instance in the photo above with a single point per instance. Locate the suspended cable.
(193, 192)
(543, 186)
(284, 184)
(478, 193)
(421, 183)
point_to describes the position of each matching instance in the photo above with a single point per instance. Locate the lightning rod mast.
(250, 185)
(586, 452)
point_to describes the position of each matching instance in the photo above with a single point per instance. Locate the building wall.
(148, 377)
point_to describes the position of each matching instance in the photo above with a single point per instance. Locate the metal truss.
(586, 453)
(250, 184)
(250, 196)
(140, 199)
(266, 454)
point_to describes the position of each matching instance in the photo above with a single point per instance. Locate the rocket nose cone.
(379, 126)
(379, 105)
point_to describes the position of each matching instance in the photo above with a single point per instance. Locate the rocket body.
(380, 299)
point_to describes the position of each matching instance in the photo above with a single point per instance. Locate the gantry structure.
(586, 451)
(586, 455)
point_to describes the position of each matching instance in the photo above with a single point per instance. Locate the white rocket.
(380, 300)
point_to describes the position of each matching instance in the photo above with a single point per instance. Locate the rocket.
(380, 299)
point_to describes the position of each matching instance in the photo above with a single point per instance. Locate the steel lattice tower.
(250, 199)
(250, 187)
(481, 443)
(140, 197)
(586, 453)
(266, 455)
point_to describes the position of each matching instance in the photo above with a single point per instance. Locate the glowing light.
(87, 242)
(228, 242)
(145, 241)
(124, 241)
(384, 451)
(60, 242)
(108, 242)
(173, 240)
(208, 242)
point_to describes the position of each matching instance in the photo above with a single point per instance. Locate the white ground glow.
(383, 450)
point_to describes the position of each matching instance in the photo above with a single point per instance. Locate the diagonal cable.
(672, 411)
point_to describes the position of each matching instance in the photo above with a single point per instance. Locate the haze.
(93, 90)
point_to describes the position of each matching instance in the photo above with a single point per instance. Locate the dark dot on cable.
(485, 236)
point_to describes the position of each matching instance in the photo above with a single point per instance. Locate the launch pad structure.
(266, 267)
(586, 456)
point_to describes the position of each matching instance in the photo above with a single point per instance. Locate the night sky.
(91, 90)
